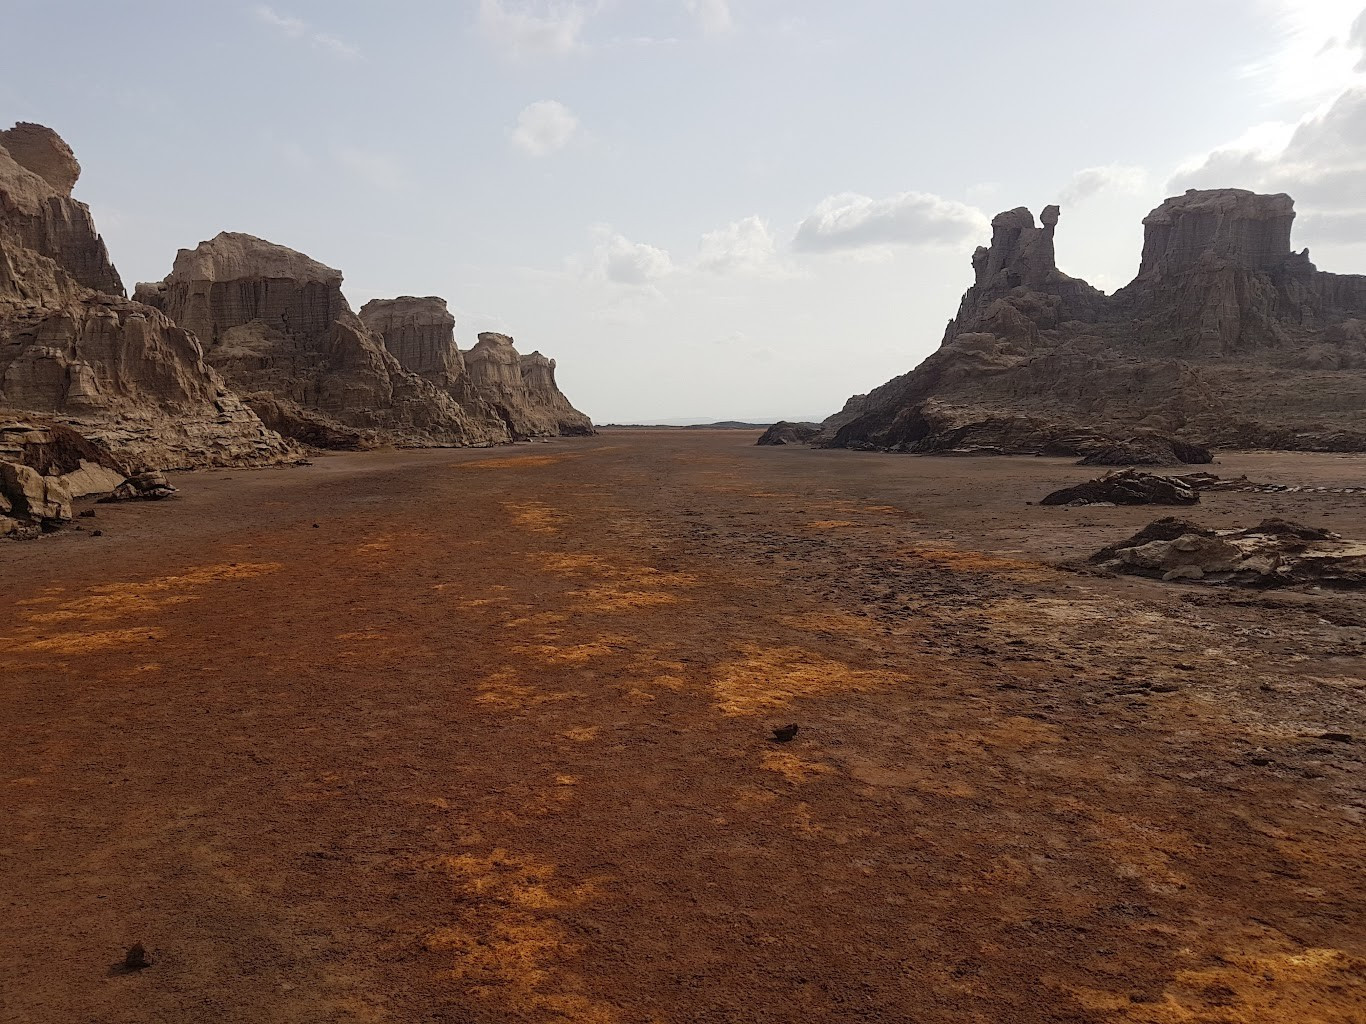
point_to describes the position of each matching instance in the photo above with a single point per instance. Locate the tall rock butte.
(492, 381)
(275, 323)
(75, 350)
(1225, 337)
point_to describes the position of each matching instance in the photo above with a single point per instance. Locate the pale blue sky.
(706, 208)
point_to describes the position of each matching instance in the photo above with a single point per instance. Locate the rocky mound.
(1130, 487)
(1149, 450)
(784, 432)
(420, 332)
(1221, 314)
(275, 323)
(44, 467)
(74, 349)
(1276, 552)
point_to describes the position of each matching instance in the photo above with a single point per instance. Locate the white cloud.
(544, 127)
(1319, 52)
(744, 247)
(619, 260)
(1320, 160)
(713, 16)
(1110, 178)
(850, 221)
(297, 28)
(533, 29)
(1322, 165)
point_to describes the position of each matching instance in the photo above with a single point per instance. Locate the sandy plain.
(481, 736)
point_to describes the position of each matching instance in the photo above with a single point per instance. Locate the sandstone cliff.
(1224, 337)
(493, 382)
(73, 349)
(522, 389)
(277, 326)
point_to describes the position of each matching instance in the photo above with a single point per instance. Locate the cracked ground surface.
(490, 744)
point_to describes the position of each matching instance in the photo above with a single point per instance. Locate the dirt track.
(489, 744)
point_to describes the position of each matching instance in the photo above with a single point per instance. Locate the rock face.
(522, 390)
(1221, 314)
(276, 325)
(511, 393)
(420, 332)
(74, 349)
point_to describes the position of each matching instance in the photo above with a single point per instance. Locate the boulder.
(1275, 552)
(1221, 313)
(44, 499)
(1130, 487)
(91, 478)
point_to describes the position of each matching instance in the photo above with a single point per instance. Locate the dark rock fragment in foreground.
(1275, 552)
(1130, 487)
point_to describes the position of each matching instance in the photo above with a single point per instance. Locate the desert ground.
(484, 736)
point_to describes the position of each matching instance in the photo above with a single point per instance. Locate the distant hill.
(720, 425)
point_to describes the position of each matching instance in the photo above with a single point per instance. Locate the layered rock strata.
(1225, 337)
(74, 349)
(275, 323)
(496, 385)
(1275, 552)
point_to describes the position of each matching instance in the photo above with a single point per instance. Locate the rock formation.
(74, 349)
(522, 389)
(515, 394)
(1221, 314)
(1275, 552)
(784, 432)
(420, 333)
(46, 467)
(277, 326)
(1129, 487)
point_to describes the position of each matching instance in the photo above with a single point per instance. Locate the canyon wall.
(75, 351)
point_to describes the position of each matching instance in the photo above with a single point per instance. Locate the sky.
(702, 209)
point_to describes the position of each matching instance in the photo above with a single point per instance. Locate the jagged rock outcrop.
(785, 432)
(1130, 487)
(275, 323)
(511, 393)
(45, 467)
(1221, 314)
(1275, 552)
(522, 389)
(420, 334)
(74, 349)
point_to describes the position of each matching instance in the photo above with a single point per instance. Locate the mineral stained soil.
(491, 743)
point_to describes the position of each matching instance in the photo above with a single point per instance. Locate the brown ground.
(489, 744)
